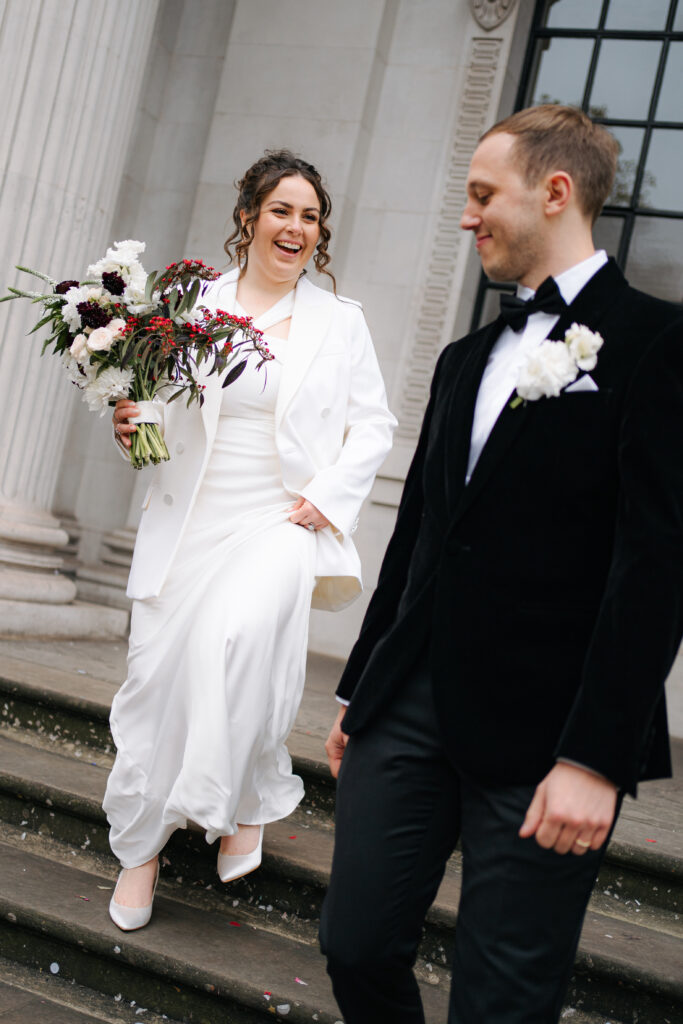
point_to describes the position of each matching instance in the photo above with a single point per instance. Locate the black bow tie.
(548, 299)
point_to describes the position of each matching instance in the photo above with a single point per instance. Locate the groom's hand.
(336, 743)
(572, 810)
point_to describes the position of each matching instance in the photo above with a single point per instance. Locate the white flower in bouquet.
(121, 258)
(102, 338)
(111, 384)
(79, 349)
(134, 299)
(584, 345)
(79, 374)
(548, 369)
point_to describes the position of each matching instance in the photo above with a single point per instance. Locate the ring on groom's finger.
(582, 843)
(310, 526)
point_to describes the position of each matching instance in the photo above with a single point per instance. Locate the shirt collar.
(570, 282)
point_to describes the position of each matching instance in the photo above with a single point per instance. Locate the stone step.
(77, 619)
(37, 996)
(630, 956)
(189, 965)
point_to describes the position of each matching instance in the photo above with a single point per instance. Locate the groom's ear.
(559, 191)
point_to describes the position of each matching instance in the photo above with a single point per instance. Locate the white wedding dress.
(216, 663)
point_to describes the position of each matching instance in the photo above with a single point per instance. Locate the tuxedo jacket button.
(180, 448)
(324, 413)
(168, 499)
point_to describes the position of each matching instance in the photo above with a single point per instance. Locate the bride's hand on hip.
(124, 408)
(307, 515)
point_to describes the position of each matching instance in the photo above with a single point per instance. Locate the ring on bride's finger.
(310, 526)
(582, 843)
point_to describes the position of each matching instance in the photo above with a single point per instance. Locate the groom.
(507, 685)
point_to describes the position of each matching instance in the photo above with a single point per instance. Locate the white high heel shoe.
(129, 919)
(235, 865)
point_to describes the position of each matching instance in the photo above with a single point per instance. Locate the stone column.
(70, 73)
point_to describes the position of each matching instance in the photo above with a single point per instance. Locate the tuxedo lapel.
(460, 413)
(310, 321)
(589, 307)
(593, 301)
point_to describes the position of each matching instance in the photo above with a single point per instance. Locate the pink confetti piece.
(292, 837)
(86, 898)
(300, 982)
(650, 840)
(235, 924)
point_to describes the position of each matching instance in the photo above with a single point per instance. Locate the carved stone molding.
(491, 13)
(433, 322)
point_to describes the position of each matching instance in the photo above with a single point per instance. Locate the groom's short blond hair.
(552, 137)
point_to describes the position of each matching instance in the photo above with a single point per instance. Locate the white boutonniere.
(550, 367)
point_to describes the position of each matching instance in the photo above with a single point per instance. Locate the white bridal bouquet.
(123, 333)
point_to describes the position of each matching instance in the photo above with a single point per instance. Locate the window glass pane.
(649, 15)
(678, 20)
(624, 78)
(662, 182)
(572, 13)
(670, 107)
(655, 259)
(561, 71)
(630, 142)
(607, 234)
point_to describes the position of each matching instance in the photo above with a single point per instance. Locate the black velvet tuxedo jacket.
(549, 590)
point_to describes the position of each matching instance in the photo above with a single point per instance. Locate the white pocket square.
(584, 383)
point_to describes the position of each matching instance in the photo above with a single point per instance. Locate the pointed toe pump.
(129, 919)
(233, 866)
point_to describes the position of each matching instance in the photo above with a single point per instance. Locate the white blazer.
(332, 430)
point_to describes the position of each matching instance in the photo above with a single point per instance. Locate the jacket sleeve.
(393, 574)
(339, 490)
(640, 621)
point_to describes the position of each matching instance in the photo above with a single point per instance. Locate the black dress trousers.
(401, 806)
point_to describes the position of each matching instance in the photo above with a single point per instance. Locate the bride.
(247, 525)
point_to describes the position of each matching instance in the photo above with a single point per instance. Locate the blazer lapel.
(589, 307)
(310, 321)
(223, 298)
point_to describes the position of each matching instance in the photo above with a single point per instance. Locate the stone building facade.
(133, 118)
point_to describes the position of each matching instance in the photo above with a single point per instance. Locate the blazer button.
(180, 448)
(168, 499)
(324, 413)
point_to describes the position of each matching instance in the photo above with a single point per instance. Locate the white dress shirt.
(509, 352)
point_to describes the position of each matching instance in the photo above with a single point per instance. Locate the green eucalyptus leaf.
(149, 285)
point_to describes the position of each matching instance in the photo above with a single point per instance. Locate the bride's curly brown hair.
(261, 178)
